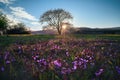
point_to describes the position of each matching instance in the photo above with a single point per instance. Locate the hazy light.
(64, 27)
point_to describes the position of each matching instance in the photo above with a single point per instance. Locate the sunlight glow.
(64, 27)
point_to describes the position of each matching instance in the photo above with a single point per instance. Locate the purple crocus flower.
(98, 73)
(6, 55)
(118, 69)
(57, 63)
(65, 70)
(7, 62)
(74, 67)
(2, 68)
(38, 61)
(67, 53)
(85, 65)
(34, 58)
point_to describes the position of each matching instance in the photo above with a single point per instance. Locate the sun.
(64, 27)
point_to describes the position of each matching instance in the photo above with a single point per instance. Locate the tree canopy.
(19, 28)
(55, 19)
(3, 22)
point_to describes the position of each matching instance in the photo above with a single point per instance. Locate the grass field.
(66, 57)
(23, 39)
(26, 39)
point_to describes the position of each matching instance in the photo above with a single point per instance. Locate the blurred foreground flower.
(57, 63)
(66, 70)
(98, 73)
(118, 69)
(2, 68)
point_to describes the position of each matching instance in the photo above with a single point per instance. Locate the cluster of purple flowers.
(79, 63)
(61, 56)
(8, 57)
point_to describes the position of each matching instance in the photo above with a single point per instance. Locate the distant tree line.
(6, 28)
(97, 31)
(19, 28)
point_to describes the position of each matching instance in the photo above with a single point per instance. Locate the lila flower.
(34, 58)
(19, 47)
(13, 59)
(58, 47)
(38, 61)
(42, 62)
(101, 70)
(57, 63)
(98, 73)
(65, 70)
(34, 49)
(74, 67)
(67, 53)
(75, 62)
(85, 65)
(118, 69)
(6, 55)
(2, 68)
(7, 62)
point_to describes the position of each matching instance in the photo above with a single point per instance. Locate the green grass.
(22, 39)
(98, 36)
(29, 39)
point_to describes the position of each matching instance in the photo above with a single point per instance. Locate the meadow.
(54, 57)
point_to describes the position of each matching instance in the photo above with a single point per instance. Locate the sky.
(86, 13)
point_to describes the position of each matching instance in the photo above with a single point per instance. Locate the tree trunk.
(59, 32)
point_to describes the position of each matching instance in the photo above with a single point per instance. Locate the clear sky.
(86, 13)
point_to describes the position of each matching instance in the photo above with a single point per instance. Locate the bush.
(18, 29)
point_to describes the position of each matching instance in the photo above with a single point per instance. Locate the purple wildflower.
(42, 62)
(65, 70)
(67, 53)
(38, 61)
(74, 67)
(7, 62)
(98, 73)
(6, 55)
(2, 68)
(85, 65)
(118, 69)
(57, 63)
(34, 58)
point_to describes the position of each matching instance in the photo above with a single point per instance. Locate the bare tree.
(55, 18)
